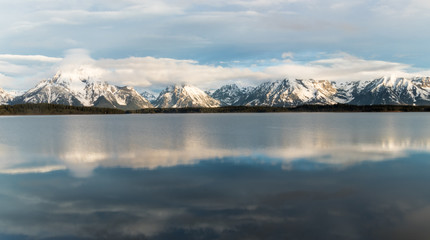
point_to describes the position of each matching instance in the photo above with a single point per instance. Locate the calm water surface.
(216, 176)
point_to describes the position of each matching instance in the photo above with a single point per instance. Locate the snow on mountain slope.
(286, 92)
(110, 96)
(77, 79)
(229, 95)
(48, 91)
(184, 96)
(392, 90)
(148, 96)
(5, 97)
(83, 87)
(347, 91)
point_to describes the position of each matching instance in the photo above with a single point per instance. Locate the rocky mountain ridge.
(181, 96)
(5, 97)
(83, 88)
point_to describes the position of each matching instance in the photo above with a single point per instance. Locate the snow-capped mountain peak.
(83, 86)
(230, 94)
(5, 97)
(295, 92)
(394, 90)
(77, 78)
(148, 95)
(185, 95)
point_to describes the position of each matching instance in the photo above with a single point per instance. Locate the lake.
(216, 176)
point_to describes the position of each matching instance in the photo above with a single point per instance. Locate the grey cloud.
(254, 28)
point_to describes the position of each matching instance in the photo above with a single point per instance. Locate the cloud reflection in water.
(82, 144)
(214, 176)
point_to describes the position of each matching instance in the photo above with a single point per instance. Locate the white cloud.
(24, 71)
(11, 68)
(37, 58)
(342, 67)
(75, 57)
(43, 169)
(148, 71)
(158, 72)
(82, 158)
(7, 82)
(287, 55)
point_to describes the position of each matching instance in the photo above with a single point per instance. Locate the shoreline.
(55, 109)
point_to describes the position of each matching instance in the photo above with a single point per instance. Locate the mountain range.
(83, 87)
(290, 93)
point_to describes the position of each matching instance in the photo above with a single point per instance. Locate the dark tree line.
(303, 108)
(55, 109)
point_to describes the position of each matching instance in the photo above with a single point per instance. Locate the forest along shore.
(56, 109)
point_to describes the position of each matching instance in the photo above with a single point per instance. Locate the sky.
(149, 44)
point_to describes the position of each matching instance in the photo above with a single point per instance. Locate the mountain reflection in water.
(215, 176)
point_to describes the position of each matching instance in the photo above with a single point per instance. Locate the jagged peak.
(193, 89)
(129, 88)
(84, 84)
(230, 86)
(2, 91)
(229, 89)
(185, 95)
(173, 87)
(391, 82)
(184, 88)
(148, 95)
(5, 96)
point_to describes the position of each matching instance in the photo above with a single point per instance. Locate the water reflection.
(221, 199)
(246, 176)
(84, 143)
